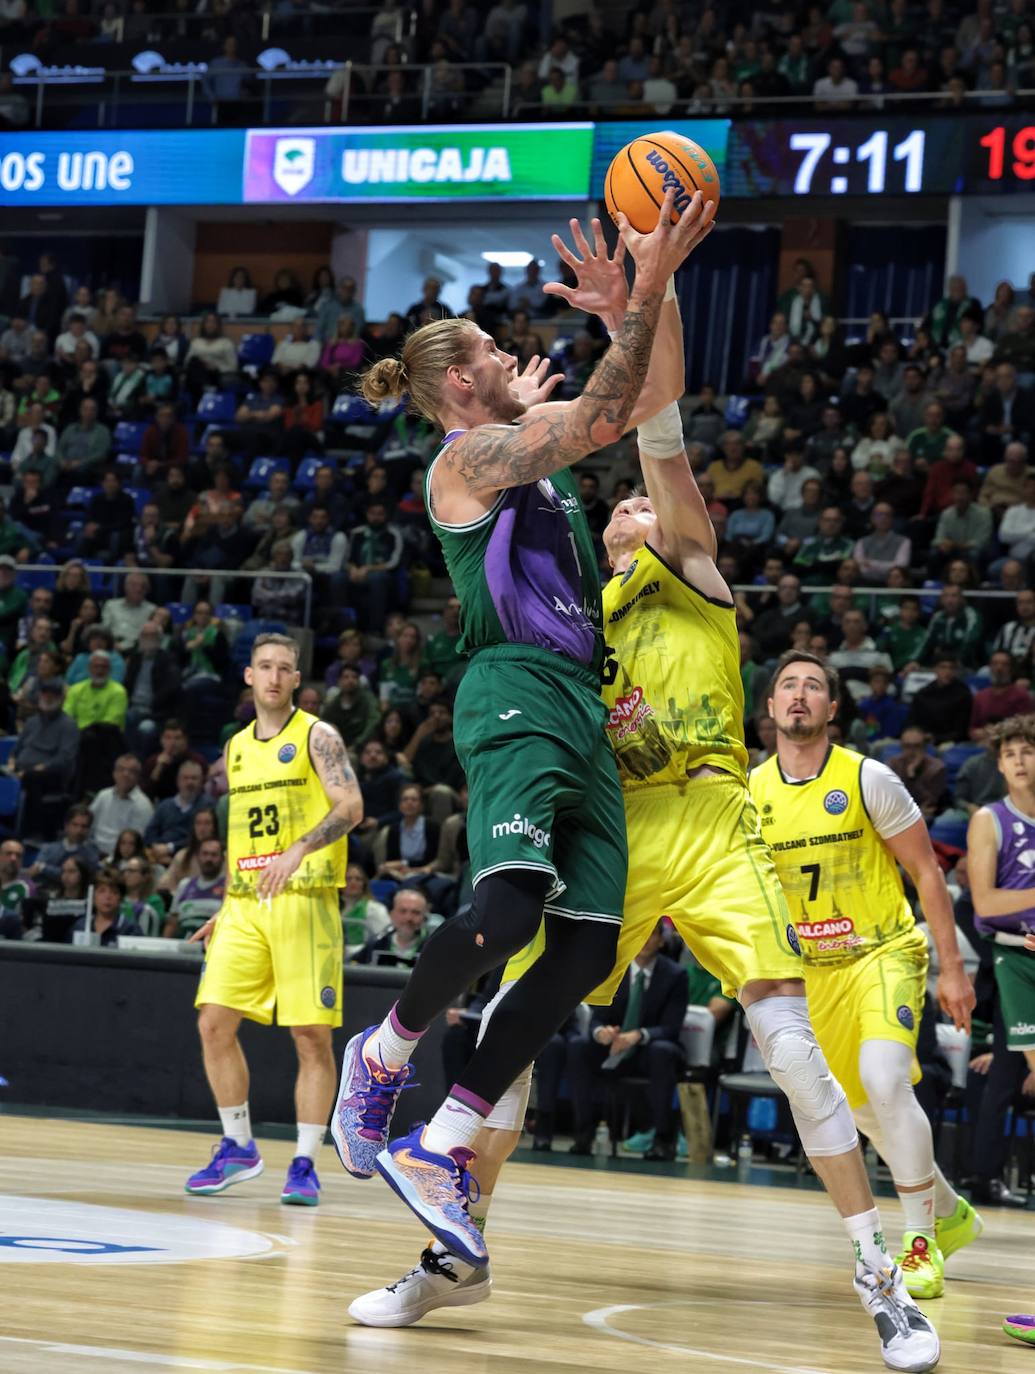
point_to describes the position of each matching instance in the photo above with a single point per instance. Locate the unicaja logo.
(152, 66)
(294, 161)
(521, 825)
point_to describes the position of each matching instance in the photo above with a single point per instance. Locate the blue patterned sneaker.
(367, 1094)
(301, 1187)
(230, 1163)
(437, 1188)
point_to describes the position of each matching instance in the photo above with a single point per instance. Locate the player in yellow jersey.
(672, 684)
(838, 826)
(276, 942)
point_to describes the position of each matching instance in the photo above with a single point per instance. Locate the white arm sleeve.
(888, 804)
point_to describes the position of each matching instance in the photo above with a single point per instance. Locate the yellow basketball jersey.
(671, 677)
(842, 883)
(276, 797)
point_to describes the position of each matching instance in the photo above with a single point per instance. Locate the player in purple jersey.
(1001, 870)
(546, 827)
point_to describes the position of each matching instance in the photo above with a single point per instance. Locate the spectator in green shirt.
(902, 639)
(100, 700)
(820, 555)
(13, 601)
(929, 442)
(354, 712)
(83, 447)
(440, 653)
(964, 529)
(956, 630)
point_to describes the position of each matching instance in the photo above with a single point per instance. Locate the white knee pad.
(794, 1059)
(509, 1112)
(903, 1136)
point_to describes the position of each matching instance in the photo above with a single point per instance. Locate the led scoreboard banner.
(891, 156)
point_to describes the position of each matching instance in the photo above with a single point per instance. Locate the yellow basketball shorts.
(696, 854)
(879, 996)
(284, 956)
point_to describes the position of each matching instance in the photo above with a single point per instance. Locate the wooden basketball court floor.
(105, 1265)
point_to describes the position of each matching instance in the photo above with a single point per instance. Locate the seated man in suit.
(637, 1034)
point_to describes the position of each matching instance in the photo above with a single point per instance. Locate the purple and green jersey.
(1015, 866)
(526, 572)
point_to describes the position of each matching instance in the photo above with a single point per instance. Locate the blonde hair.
(419, 370)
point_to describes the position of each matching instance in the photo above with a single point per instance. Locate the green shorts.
(529, 729)
(1015, 979)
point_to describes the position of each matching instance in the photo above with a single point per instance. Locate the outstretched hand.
(533, 384)
(601, 286)
(658, 254)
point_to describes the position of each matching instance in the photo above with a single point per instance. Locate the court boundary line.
(167, 1360)
(599, 1320)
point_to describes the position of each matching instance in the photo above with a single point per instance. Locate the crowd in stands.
(872, 495)
(669, 58)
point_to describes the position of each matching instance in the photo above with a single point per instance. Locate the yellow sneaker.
(952, 1233)
(922, 1265)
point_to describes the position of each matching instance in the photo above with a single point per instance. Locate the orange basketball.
(641, 173)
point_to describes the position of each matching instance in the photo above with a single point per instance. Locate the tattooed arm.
(327, 750)
(556, 434)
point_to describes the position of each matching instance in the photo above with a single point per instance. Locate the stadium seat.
(228, 610)
(80, 497)
(7, 743)
(948, 832)
(179, 610)
(956, 756)
(140, 495)
(217, 407)
(30, 580)
(129, 435)
(383, 890)
(259, 473)
(256, 350)
(737, 410)
(10, 796)
(305, 477)
(351, 410)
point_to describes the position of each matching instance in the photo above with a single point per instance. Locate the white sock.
(946, 1198)
(237, 1123)
(310, 1138)
(867, 1237)
(457, 1122)
(919, 1209)
(392, 1042)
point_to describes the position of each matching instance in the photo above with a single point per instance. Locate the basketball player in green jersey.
(546, 826)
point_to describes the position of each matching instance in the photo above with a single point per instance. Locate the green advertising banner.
(418, 163)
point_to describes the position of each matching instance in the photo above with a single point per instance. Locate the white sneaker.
(440, 1280)
(908, 1341)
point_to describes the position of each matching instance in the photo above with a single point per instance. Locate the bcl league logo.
(294, 161)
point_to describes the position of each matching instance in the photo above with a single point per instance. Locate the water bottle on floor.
(745, 1153)
(602, 1141)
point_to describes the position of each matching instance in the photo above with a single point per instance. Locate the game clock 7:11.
(881, 163)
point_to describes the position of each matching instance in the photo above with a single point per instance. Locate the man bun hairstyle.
(420, 368)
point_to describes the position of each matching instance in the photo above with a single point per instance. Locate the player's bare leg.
(314, 1093)
(237, 1157)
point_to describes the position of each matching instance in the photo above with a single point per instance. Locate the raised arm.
(332, 766)
(557, 433)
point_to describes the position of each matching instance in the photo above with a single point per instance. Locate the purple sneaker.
(437, 1188)
(301, 1187)
(1021, 1328)
(367, 1094)
(230, 1163)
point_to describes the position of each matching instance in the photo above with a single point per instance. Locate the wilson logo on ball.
(669, 180)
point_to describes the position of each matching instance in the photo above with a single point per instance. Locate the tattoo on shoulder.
(329, 753)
